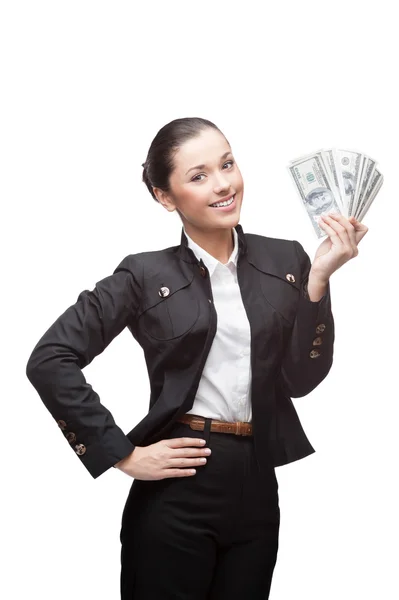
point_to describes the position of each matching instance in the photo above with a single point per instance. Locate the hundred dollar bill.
(367, 175)
(331, 160)
(359, 185)
(372, 192)
(350, 164)
(315, 189)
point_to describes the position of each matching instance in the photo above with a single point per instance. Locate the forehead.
(207, 147)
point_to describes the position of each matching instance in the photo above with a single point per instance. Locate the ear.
(164, 199)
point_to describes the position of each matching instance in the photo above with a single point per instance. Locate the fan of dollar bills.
(340, 181)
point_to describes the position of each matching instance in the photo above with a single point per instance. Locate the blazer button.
(317, 341)
(290, 277)
(314, 354)
(61, 424)
(203, 271)
(80, 449)
(320, 328)
(71, 437)
(164, 291)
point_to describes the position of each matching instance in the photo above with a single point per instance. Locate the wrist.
(317, 287)
(318, 279)
(122, 463)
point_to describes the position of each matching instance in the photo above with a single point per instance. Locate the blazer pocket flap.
(286, 270)
(161, 287)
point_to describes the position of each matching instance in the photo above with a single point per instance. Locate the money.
(331, 160)
(367, 175)
(350, 165)
(372, 191)
(335, 180)
(315, 187)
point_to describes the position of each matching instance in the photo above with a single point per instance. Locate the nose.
(222, 184)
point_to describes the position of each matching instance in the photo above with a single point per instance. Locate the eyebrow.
(203, 166)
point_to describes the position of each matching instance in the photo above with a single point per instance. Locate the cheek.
(238, 180)
(194, 199)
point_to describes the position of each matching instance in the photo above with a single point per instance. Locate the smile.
(224, 204)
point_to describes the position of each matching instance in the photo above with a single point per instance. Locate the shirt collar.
(210, 261)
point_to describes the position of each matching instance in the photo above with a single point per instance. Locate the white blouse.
(224, 391)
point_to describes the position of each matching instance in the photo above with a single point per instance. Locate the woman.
(233, 325)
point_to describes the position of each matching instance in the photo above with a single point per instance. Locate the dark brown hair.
(159, 164)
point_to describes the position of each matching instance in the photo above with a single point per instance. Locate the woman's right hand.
(174, 457)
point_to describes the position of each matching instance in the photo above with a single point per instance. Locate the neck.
(218, 243)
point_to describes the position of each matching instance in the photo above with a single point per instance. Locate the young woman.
(233, 325)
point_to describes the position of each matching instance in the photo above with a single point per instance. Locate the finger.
(335, 230)
(178, 461)
(189, 452)
(184, 441)
(358, 225)
(168, 473)
(346, 248)
(340, 229)
(327, 229)
(349, 228)
(360, 229)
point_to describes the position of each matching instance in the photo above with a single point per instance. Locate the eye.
(229, 161)
(199, 175)
(195, 178)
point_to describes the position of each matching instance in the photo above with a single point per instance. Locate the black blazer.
(164, 297)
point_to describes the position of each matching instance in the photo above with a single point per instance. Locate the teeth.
(224, 203)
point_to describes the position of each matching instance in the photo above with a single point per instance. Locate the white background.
(85, 88)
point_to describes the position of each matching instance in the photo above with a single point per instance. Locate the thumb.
(360, 229)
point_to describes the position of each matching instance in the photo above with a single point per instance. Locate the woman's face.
(194, 188)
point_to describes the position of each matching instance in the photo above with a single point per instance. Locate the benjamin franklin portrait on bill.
(320, 200)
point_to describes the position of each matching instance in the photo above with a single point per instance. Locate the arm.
(304, 364)
(55, 366)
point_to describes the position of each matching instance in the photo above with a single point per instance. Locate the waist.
(197, 423)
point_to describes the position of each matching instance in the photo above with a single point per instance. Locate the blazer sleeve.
(309, 355)
(55, 366)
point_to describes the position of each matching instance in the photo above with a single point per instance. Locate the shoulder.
(148, 262)
(255, 239)
(277, 256)
(278, 246)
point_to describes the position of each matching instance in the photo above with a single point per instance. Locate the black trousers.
(209, 536)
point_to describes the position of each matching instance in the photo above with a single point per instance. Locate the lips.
(223, 199)
(226, 208)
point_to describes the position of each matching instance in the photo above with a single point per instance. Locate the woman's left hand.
(340, 246)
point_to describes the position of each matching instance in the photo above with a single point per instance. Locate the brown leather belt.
(198, 423)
